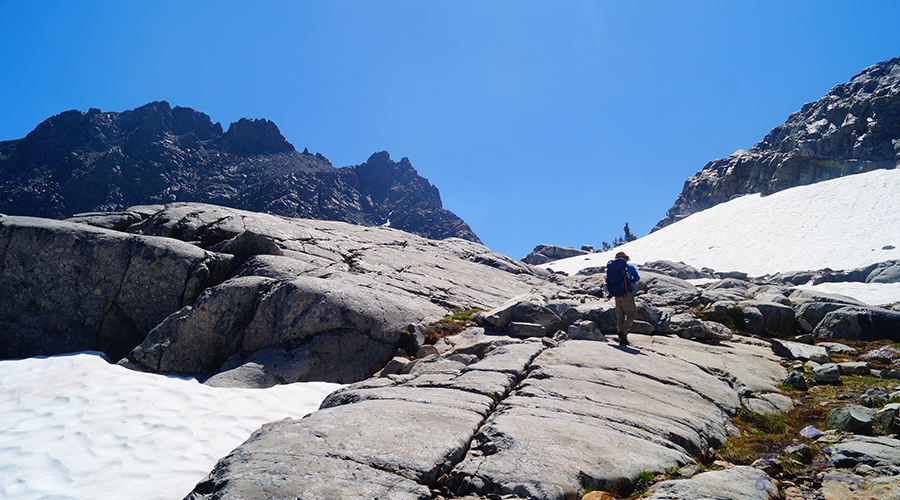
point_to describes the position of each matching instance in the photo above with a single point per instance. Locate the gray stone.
(533, 310)
(768, 403)
(585, 330)
(689, 470)
(678, 270)
(642, 327)
(828, 373)
(797, 381)
(669, 288)
(876, 451)
(426, 350)
(690, 327)
(524, 330)
(412, 337)
(814, 312)
(739, 483)
(836, 348)
(395, 366)
(850, 419)
(860, 323)
(887, 273)
(796, 350)
(874, 397)
(778, 319)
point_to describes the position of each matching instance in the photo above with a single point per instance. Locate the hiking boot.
(623, 339)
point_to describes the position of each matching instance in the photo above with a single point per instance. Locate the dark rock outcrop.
(79, 162)
(253, 298)
(854, 128)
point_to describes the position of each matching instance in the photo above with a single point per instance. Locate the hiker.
(621, 278)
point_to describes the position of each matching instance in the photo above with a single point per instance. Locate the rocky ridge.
(78, 162)
(854, 128)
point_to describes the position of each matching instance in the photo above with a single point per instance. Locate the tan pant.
(625, 311)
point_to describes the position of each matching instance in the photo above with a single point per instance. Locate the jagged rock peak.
(95, 161)
(854, 128)
(253, 137)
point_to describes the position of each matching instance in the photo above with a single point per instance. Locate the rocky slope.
(79, 162)
(517, 395)
(854, 128)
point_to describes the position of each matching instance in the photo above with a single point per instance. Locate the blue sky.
(539, 121)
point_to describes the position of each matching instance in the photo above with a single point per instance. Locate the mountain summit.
(78, 162)
(854, 128)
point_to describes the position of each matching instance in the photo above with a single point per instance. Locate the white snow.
(76, 427)
(843, 223)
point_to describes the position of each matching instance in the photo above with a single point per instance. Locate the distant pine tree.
(619, 240)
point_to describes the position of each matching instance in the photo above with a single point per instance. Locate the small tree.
(628, 235)
(619, 240)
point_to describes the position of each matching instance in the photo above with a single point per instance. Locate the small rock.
(796, 381)
(874, 397)
(426, 350)
(689, 470)
(864, 469)
(838, 348)
(821, 358)
(827, 374)
(770, 466)
(394, 367)
(525, 330)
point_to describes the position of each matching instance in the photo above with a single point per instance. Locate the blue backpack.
(616, 279)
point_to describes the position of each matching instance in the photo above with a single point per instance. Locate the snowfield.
(75, 427)
(843, 223)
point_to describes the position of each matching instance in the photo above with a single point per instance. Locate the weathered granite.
(582, 415)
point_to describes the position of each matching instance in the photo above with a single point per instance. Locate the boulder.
(886, 272)
(602, 313)
(797, 381)
(738, 483)
(837, 348)
(777, 318)
(828, 373)
(525, 330)
(533, 310)
(669, 288)
(875, 451)
(814, 312)
(854, 420)
(690, 327)
(585, 330)
(730, 289)
(797, 350)
(860, 323)
(678, 270)
(67, 287)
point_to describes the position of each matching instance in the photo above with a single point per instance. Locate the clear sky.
(539, 121)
